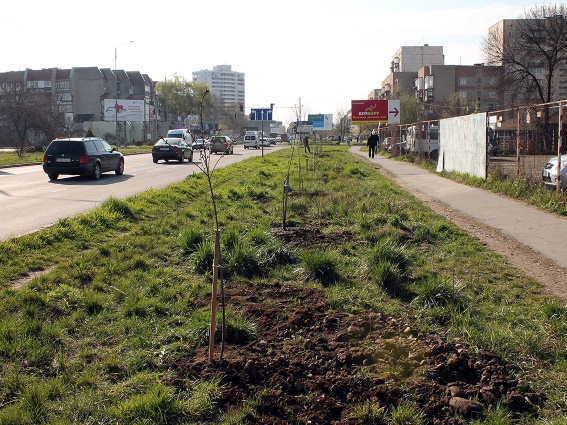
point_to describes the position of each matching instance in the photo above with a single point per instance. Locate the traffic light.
(242, 106)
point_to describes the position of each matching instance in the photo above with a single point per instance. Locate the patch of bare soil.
(307, 360)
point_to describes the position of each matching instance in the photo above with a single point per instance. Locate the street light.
(116, 90)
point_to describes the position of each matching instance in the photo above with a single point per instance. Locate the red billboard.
(375, 111)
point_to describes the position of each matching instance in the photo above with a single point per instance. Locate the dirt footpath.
(529, 238)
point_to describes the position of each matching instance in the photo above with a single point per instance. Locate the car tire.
(120, 170)
(53, 176)
(96, 172)
(191, 157)
(155, 160)
(180, 159)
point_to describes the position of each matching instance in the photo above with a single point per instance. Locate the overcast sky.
(322, 53)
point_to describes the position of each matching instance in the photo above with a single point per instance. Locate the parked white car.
(549, 172)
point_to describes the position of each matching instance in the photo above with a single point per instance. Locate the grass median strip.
(98, 336)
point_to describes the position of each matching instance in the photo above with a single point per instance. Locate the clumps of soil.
(313, 364)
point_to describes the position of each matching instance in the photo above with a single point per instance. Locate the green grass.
(93, 338)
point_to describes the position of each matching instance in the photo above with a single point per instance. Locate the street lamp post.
(116, 90)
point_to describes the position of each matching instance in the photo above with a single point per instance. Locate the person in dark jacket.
(306, 144)
(372, 143)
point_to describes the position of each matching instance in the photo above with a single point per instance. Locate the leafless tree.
(25, 113)
(532, 49)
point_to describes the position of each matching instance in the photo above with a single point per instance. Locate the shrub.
(190, 239)
(320, 266)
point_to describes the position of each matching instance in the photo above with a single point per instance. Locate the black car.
(172, 148)
(88, 157)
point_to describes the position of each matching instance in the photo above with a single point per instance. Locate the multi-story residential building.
(478, 84)
(227, 85)
(413, 58)
(403, 69)
(504, 36)
(80, 93)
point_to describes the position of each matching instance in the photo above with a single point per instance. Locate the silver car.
(549, 172)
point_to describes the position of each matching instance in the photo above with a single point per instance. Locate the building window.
(464, 93)
(492, 95)
(463, 81)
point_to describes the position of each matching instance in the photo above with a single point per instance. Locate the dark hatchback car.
(88, 157)
(169, 148)
(221, 144)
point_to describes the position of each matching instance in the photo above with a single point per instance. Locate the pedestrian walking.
(306, 144)
(372, 142)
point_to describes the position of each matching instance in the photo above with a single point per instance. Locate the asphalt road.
(543, 232)
(29, 201)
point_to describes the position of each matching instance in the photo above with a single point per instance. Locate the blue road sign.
(261, 114)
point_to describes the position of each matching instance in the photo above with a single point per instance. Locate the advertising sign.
(123, 110)
(305, 126)
(321, 122)
(375, 111)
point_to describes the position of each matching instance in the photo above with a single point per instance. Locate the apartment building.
(406, 62)
(478, 84)
(505, 35)
(80, 91)
(227, 85)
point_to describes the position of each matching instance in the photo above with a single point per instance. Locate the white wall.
(463, 145)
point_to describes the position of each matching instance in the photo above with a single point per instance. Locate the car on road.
(278, 139)
(221, 144)
(251, 140)
(200, 144)
(264, 142)
(89, 157)
(171, 148)
(549, 173)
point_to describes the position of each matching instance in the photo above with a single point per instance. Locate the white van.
(180, 133)
(251, 140)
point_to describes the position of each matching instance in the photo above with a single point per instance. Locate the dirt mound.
(307, 362)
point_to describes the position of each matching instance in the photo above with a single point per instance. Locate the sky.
(314, 53)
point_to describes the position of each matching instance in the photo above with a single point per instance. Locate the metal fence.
(526, 137)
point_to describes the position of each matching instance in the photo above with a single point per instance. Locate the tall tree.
(183, 96)
(532, 49)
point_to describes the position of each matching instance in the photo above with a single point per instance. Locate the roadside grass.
(12, 158)
(119, 292)
(530, 191)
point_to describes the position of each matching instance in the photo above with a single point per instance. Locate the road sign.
(305, 126)
(375, 111)
(261, 114)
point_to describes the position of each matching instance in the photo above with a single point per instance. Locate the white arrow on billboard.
(393, 111)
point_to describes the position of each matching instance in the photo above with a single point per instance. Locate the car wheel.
(191, 157)
(180, 159)
(96, 172)
(120, 170)
(155, 160)
(53, 176)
